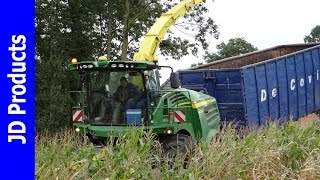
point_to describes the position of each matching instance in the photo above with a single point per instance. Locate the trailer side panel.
(283, 88)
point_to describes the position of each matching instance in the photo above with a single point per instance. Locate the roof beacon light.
(155, 59)
(74, 61)
(103, 58)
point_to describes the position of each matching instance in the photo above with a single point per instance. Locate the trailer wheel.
(178, 144)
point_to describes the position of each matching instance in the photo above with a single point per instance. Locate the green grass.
(277, 152)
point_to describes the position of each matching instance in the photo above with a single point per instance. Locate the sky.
(263, 23)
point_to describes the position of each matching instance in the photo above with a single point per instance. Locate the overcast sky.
(263, 23)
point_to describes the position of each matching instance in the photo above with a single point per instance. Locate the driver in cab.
(127, 93)
(127, 96)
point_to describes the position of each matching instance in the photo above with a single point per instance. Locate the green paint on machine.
(179, 113)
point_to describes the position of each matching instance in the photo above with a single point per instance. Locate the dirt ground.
(309, 118)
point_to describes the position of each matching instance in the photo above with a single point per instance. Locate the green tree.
(198, 27)
(234, 47)
(51, 81)
(314, 36)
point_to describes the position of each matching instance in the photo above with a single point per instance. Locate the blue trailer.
(273, 84)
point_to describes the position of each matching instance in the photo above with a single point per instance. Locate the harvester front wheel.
(177, 144)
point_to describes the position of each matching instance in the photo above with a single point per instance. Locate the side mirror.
(174, 80)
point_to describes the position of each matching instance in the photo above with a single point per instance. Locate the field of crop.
(291, 151)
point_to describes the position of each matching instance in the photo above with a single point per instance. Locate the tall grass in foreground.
(278, 152)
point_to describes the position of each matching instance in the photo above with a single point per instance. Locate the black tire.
(97, 142)
(177, 144)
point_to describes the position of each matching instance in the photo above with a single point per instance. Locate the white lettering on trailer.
(292, 84)
(310, 78)
(301, 82)
(274, 92)
(263, 95)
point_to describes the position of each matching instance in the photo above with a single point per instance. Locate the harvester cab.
(107, 92)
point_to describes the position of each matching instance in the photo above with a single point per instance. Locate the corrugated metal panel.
(251, 97)
(316, 63)
(224, 85)
(284, 87)
(272, 82)
(262, 93)
(192, 78)
(309, 79)
(228, 92)
(293, 93)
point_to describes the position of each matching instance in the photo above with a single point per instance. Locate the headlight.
(169, 131)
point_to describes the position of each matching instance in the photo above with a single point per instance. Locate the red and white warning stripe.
(179, 116)
(76, 115)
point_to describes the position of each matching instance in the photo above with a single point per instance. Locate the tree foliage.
(86, 29)
(314, 36)
(199, 29)
(234, 47)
